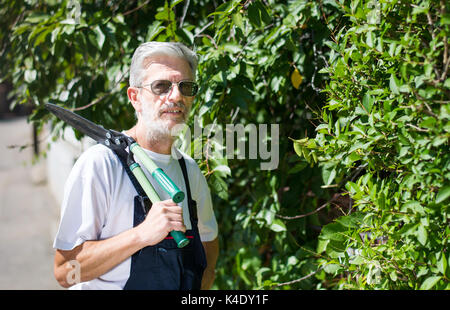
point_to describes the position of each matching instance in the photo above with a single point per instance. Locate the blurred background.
(28, 210)
(31, 189)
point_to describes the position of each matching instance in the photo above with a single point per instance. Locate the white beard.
(157, 128)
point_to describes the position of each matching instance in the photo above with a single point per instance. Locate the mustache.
(171, 105)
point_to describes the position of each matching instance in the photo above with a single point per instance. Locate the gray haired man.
(104, 232)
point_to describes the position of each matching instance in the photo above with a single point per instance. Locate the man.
(105, 234)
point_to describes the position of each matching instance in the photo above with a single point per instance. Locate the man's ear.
(133, 93)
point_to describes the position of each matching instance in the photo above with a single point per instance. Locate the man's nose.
(174, 94)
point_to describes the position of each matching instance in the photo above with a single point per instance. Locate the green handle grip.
(178, 236)
(143, 181)
(158, 174)
(166, 183)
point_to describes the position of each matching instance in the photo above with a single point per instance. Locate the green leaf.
(186, 35)
(37, 17)
(445, 19)
(322, 245)
(394, 85)
(277, 225)
(219, 185)
(298, 167)
(254, 15)
(331, 177)
(30, 76)
(225, 7)
(334, 231)
(358, 260)
(442, 263)
(443, 194)
(223, 170)
(331, 268)
(162, 15)
(42, 36)
(100, 36)
(368, 102)
(328, 174)
(414, 206)
(237, 20)
(354, 220)
(265, 16)
(174, 3)
(422, 235)
(430, 282)
(336, 248)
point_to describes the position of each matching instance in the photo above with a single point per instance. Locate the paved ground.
(28, 213)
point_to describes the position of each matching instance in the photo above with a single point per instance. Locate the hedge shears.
(119, 143)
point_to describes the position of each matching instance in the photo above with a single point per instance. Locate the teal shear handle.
(158, 174)
(136, 169)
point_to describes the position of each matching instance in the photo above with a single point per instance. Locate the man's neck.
(161, 146)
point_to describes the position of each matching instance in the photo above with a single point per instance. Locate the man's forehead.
(168, 61)
(164, 66)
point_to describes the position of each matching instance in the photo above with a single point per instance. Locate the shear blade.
(96, 132)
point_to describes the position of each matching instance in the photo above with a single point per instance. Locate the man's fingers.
(168, 202)
(169, 211)
(178, 226)
(174, 217)
(168, 206)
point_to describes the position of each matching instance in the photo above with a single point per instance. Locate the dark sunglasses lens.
(161, 87)
(188, 88)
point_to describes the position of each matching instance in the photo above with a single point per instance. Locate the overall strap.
(191, 203)
(133, 179)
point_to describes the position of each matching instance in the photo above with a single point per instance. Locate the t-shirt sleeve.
(207, 223)
(85, 202)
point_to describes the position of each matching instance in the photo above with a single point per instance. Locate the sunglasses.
(163, 87)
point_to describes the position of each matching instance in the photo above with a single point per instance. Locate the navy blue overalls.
(164, 266)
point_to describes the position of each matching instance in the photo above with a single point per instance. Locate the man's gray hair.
(150, 49)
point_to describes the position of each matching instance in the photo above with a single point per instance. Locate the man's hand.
(163, 217)
(96, 257)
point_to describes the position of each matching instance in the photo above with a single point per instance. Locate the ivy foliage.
(359, 89)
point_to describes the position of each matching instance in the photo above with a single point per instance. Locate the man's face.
(160, 113)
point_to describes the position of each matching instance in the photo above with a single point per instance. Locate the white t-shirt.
(99, 203)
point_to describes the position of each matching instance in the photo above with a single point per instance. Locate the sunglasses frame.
(195, 86)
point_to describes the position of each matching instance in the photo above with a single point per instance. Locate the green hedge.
(384, 137)
(359, 90)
